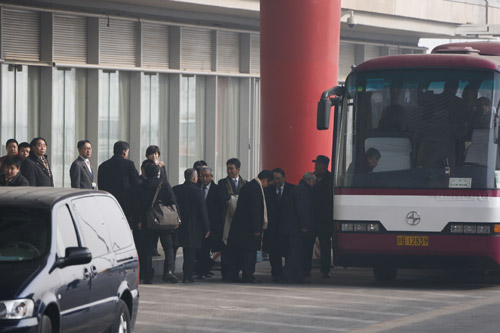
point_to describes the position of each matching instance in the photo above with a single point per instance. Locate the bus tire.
(384, 273)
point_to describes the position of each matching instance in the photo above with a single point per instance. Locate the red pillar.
(299, 60)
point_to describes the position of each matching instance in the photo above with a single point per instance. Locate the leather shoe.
(326, 275)
(147, 282)
(170, 277)
(188, 280)
(252, 281)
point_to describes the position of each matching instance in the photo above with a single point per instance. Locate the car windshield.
(431, 128)
(24, 233)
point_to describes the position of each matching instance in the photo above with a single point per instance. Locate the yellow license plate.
(413, 241)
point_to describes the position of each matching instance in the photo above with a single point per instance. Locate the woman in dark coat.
(144, 200)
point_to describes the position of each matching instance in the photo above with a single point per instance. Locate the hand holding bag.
(160, 216)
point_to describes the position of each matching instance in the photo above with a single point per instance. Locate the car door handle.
(86, 273)
(94, 271)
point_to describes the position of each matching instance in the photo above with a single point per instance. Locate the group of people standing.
(234, 216)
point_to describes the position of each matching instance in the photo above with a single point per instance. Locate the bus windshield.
(425, 128)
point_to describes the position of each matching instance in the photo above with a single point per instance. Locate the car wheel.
(385, 273)
(45, 325)
(122, 321)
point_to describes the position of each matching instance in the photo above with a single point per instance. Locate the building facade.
(183, 75)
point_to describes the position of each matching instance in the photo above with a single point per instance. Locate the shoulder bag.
(160, 216)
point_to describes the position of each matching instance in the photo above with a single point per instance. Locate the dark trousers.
(277, 249)
(325, 247)
(142, 240)
(294, 269)
(204, 262)
(244, 260)
(308, 255)
(189, 262)
(226, 263)
(167, 242)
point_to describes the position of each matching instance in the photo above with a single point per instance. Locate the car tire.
(122, 321)
(45, 325)
(385, 273)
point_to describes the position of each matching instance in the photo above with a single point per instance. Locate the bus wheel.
(384, 273)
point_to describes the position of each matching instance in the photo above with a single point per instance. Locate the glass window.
(68, 121)
(66, 233)
(114, 110)
(20, 103)
(192, 122)
(418, 129)
(115, 222)
(24, 233)
(228, 122)
(91, 226)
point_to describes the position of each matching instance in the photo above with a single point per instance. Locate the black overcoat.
(144, 194)
(35, 172)
(194, 216)
(213, 210)
(298, 211)
(248, 218)
(118, 176)
(275, 207)
(323, 204)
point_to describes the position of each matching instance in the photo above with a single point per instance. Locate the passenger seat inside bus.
(477, 152)
(395, 152)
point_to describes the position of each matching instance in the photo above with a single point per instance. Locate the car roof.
(39, 197)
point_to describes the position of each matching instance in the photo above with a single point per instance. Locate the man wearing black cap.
(322, 195)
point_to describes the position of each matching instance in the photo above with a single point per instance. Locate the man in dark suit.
(250, 219)
(298, 224)
(194, 226)
(11, 175)
(36, 168)
(227, 199)
(81, 173)
(204, 262)
(276, 243)
(118, 176)
(323, 210)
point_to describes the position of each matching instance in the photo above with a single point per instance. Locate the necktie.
(205, 190)
(235, 183)
(90, 168)
(279, 193)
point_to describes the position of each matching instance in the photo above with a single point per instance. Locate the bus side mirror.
(325, 105)
(323, 116)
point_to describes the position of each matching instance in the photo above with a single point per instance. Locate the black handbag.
(160, 216)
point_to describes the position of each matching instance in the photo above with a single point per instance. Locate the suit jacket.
(194, 216)
(35, 172)
(248, 218)
(80, 174)
(18, 180)
(118, 176)
(274, 214)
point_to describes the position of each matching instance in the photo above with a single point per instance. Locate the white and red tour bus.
(416, 161)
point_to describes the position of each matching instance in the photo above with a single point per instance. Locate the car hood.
(16, 276)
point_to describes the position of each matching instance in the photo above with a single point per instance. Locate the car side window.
(91, 226)
(65, 231)
(115, 221)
